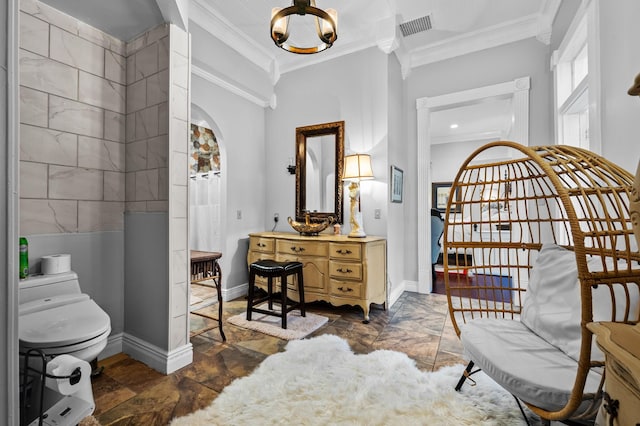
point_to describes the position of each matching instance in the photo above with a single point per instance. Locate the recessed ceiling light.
(453, 126)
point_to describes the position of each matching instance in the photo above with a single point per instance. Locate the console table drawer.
(314, 270)
(346, 289)
(262, 245)
(345, 251)
(302, 248)
(345, 270)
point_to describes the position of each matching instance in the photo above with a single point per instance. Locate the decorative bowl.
(310, 228)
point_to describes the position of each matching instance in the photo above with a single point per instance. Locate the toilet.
(56, 318)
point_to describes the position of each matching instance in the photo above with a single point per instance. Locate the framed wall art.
(440, 192)
(397, 176)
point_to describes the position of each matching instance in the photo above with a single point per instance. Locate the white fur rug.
(320, 381)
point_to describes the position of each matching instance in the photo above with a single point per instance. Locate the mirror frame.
(335, 128)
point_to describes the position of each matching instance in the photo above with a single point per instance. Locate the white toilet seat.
(86, 351)
(76, 324)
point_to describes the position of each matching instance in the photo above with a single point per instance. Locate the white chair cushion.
(553, 307)
(523, 363)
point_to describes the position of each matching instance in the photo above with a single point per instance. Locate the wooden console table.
(205, 270)
(621, 345)
(337, 269)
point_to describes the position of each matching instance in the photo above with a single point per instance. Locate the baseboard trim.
(235, 292)
(114, 346)
(396, 292)
(411, 286)
(155, 357)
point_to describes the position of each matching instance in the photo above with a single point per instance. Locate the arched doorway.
(207, 197)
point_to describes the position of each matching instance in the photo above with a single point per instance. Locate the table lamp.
(357, 167)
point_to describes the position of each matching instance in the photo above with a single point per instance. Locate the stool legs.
(270, 292)
(301, 293)
(283, 306)
(250, 293)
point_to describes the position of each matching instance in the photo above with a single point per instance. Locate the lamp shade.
(357, 167)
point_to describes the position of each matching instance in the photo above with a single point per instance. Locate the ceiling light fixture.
(326, 26)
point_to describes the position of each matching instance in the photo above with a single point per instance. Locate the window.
(576, 81)
(576, 77)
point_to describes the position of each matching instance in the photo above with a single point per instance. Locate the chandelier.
(326, 26)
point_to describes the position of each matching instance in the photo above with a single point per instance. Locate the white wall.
(397, 213)
(448, 157)
(241, 134)
(619, 64)
(352, 88)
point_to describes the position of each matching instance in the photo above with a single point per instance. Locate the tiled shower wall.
(148, 121)
(72, 114)
(94, 124)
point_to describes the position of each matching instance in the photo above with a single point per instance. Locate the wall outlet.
(276, 217)
(376, 214)
(239, 214)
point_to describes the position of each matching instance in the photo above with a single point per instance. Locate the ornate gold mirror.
(319, 158)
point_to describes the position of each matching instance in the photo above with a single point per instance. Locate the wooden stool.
(272, 269)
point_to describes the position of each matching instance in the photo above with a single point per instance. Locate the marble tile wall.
(98, 106)
(147, 127)
(72, 124)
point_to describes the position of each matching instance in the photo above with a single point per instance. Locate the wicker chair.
(570, 201)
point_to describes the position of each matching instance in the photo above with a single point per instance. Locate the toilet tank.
(42, 286)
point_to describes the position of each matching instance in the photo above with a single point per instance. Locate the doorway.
(206, 236)
(431, 114)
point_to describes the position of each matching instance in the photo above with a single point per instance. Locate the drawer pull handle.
(297, 249)
(261, 245)
(345, 271)
(340, 251)
(347, 290)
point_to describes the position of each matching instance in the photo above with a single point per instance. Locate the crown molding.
(538, 25)
(387, 34)
(232, 87)
(548, 13)
(212, 21)
(497, 35)
(175, 11)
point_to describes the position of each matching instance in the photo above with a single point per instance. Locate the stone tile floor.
(130, 393)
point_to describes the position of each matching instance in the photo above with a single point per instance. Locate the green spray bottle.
(24, 258)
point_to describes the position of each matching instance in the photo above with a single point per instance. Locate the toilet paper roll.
(55, 264)
(64, 366)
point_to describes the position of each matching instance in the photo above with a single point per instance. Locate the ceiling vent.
(415, 26)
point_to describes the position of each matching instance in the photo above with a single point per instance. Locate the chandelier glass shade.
(326, 23)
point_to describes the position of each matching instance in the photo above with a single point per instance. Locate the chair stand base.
(466, 374)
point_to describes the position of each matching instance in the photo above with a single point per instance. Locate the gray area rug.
(297, 325)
